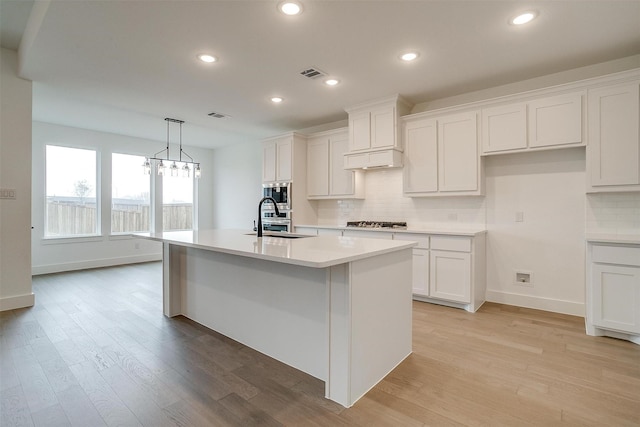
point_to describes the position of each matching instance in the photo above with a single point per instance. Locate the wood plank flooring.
(97, 351)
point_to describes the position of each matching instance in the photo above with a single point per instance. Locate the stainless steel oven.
(270, 224)
(280, 192)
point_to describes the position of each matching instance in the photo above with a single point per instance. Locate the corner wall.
(15, 174)
(237, 185)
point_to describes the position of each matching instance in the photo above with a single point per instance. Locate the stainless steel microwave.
(280, 192)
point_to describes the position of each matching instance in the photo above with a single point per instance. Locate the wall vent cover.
(312, 73)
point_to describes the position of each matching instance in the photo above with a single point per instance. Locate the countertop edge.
(452, 232)
(629, 239)
(299, 262)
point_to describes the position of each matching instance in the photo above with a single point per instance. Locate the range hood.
(389, 158)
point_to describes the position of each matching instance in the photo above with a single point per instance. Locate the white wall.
(548, 188)
(384, 202)
(15, 173)
(237, 185)
(52, 255)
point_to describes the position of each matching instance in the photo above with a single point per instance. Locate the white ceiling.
(122, 66)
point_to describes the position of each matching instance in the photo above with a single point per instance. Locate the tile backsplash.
(384, 202)
(613, 213)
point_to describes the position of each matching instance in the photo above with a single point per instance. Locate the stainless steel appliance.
(281, 221)
(276, 225)
(280, 192)
(399, 225)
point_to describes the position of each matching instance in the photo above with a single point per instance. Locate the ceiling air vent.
(312, 73)
(218, 115)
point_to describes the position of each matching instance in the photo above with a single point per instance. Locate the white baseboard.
(18, 301)
(528, 301)
(94, 263)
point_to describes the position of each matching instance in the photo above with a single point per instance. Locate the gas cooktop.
(378, 224)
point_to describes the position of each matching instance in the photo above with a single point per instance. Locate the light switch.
(7, 193)
(519, 216)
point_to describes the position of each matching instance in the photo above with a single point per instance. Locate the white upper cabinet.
(374, 139)
(342, 182)
(504, 128)
(544, 123)
(613, 154)
(317, 167)
(458, 159)
(360, 131)
(326, 176)
(421, 156)
(556, 121)
(441, 155)
(277, 159)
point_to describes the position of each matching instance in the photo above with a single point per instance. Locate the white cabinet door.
(421, 272)
(284, 158)
(555, 120)
(318, 167)
(504, 128)
(383, 127)
(359, 131)
(616, 297)
(341, 181)
(614, 139)
(269, 153)
(450, 276)
(458, 159)
(420, 156)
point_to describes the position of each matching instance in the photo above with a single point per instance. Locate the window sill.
(71, 239)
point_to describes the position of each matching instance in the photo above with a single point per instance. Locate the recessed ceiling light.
(523, 18)
(409, 56)
(205, 57)
(277, 99)
(290, 7)
(331, 82)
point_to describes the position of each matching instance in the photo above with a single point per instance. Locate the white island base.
(348, 324)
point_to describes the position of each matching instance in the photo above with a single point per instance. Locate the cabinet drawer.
(422, 239)
(621, 255)
(368, 234)
(451, 243)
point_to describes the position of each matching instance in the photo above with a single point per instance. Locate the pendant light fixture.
(174, 170)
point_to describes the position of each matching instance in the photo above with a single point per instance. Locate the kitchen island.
(337, 308)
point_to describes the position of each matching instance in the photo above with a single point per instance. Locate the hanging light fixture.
(174, 170)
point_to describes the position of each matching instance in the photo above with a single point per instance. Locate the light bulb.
(174, 169)
(196, 171)
(161, 168)
(186, 171)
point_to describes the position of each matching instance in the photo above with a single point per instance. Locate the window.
(177, 202)
(71, 203)
(130, 191)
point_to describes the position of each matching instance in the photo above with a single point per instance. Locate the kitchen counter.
(632, 239)
(316, 251)
(338, 308)
(436, 229)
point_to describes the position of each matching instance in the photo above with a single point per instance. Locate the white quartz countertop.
(315, 251)
(633, 239)
(442, 230)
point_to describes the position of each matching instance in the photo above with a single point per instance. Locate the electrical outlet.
(7, 193)
(519, 216)
(137, 245)
(452, 217)
(523, 278)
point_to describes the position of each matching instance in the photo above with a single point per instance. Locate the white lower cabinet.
(613, 291)
(450, 276)
(421, 272)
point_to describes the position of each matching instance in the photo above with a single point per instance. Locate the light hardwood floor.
(96, 350)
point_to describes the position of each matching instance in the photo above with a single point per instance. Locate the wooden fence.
(65, 219)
